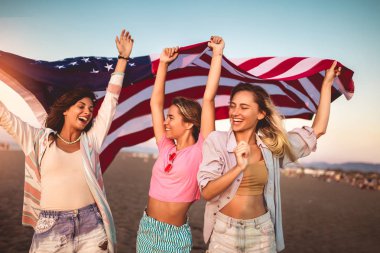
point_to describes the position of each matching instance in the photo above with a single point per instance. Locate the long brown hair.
(274, 134)
(55, 118)
(191, 112)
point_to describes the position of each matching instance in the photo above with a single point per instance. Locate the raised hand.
(331, 73)
(242, 152)
(124, 44)
(216, 43)
(169, 54)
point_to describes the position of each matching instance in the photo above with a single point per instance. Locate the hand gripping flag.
(293, 83)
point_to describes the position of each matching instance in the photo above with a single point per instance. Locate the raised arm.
(107, 110)
(322, 116)
(124, 46)
(216, 43)
(22, 132)
(158, 94)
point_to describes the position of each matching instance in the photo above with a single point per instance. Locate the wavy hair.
(55, 118)
(274, 134)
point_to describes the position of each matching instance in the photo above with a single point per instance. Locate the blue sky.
(344, 30)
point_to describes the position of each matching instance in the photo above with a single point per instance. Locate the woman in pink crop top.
(64, 197)
(173, 187)
(241, 220)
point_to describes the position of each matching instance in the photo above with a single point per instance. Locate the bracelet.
(118, 74)
(122, 57)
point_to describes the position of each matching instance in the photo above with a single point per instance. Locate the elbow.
(319, 132)
(154, 104)
(208, 100)
(206, 195)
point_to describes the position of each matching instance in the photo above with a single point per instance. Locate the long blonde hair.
(274, 134)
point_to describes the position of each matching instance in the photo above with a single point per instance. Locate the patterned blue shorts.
(157, 236)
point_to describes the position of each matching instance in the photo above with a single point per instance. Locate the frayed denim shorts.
(79, 230)
(237, 235)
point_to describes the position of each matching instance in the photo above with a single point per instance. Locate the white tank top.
(63, 182)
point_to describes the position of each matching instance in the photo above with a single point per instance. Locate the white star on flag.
(108, 66)
(60, 67)
(86, 59)
(94, 71)
(73, 63)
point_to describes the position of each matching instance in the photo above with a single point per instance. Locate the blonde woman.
(239, 175)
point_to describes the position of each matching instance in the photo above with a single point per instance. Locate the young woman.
(239, 175)
(64, 196)
(173, 188)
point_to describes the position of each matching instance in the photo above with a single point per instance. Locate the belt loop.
(229, 222)
(255, 221)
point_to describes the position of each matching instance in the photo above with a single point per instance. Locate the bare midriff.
(249, 203)
(245, 207)
(174, 213)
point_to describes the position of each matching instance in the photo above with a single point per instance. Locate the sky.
(347, 31)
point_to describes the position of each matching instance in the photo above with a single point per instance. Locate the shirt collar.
(231, 141)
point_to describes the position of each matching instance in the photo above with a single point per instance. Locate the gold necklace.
(68, 142)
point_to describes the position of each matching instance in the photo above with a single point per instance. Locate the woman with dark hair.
(239, 175)
(164, 226)
(64, 198)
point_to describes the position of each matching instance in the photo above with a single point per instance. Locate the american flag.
(293, 83)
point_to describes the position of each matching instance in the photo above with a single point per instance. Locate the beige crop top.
(254, 179)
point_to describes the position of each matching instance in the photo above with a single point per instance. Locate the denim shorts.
(79, 230)
(235, 235)
(157, 236)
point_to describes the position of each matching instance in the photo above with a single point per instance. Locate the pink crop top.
(174, 175)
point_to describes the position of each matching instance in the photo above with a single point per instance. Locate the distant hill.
(351, 166)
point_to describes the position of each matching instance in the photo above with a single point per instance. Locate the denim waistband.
(71, 213)
(246, 222)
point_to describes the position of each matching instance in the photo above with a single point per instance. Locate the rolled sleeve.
(22, 132)
(303, 140)
(212, 163)
(116, 83)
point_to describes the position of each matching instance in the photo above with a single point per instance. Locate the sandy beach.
(317, 216)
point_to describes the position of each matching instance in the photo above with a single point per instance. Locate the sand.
(317, 216)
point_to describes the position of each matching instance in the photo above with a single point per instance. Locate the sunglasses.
(170, 164)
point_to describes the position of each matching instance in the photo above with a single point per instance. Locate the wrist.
(217, 53)
(240, 168)
(166, 63)
(123, 57)
(327, 83)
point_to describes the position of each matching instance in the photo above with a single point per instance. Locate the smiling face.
(174, 125)
(244, 112)
(79, 115)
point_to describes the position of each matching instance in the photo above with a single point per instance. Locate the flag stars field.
(108, 67)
